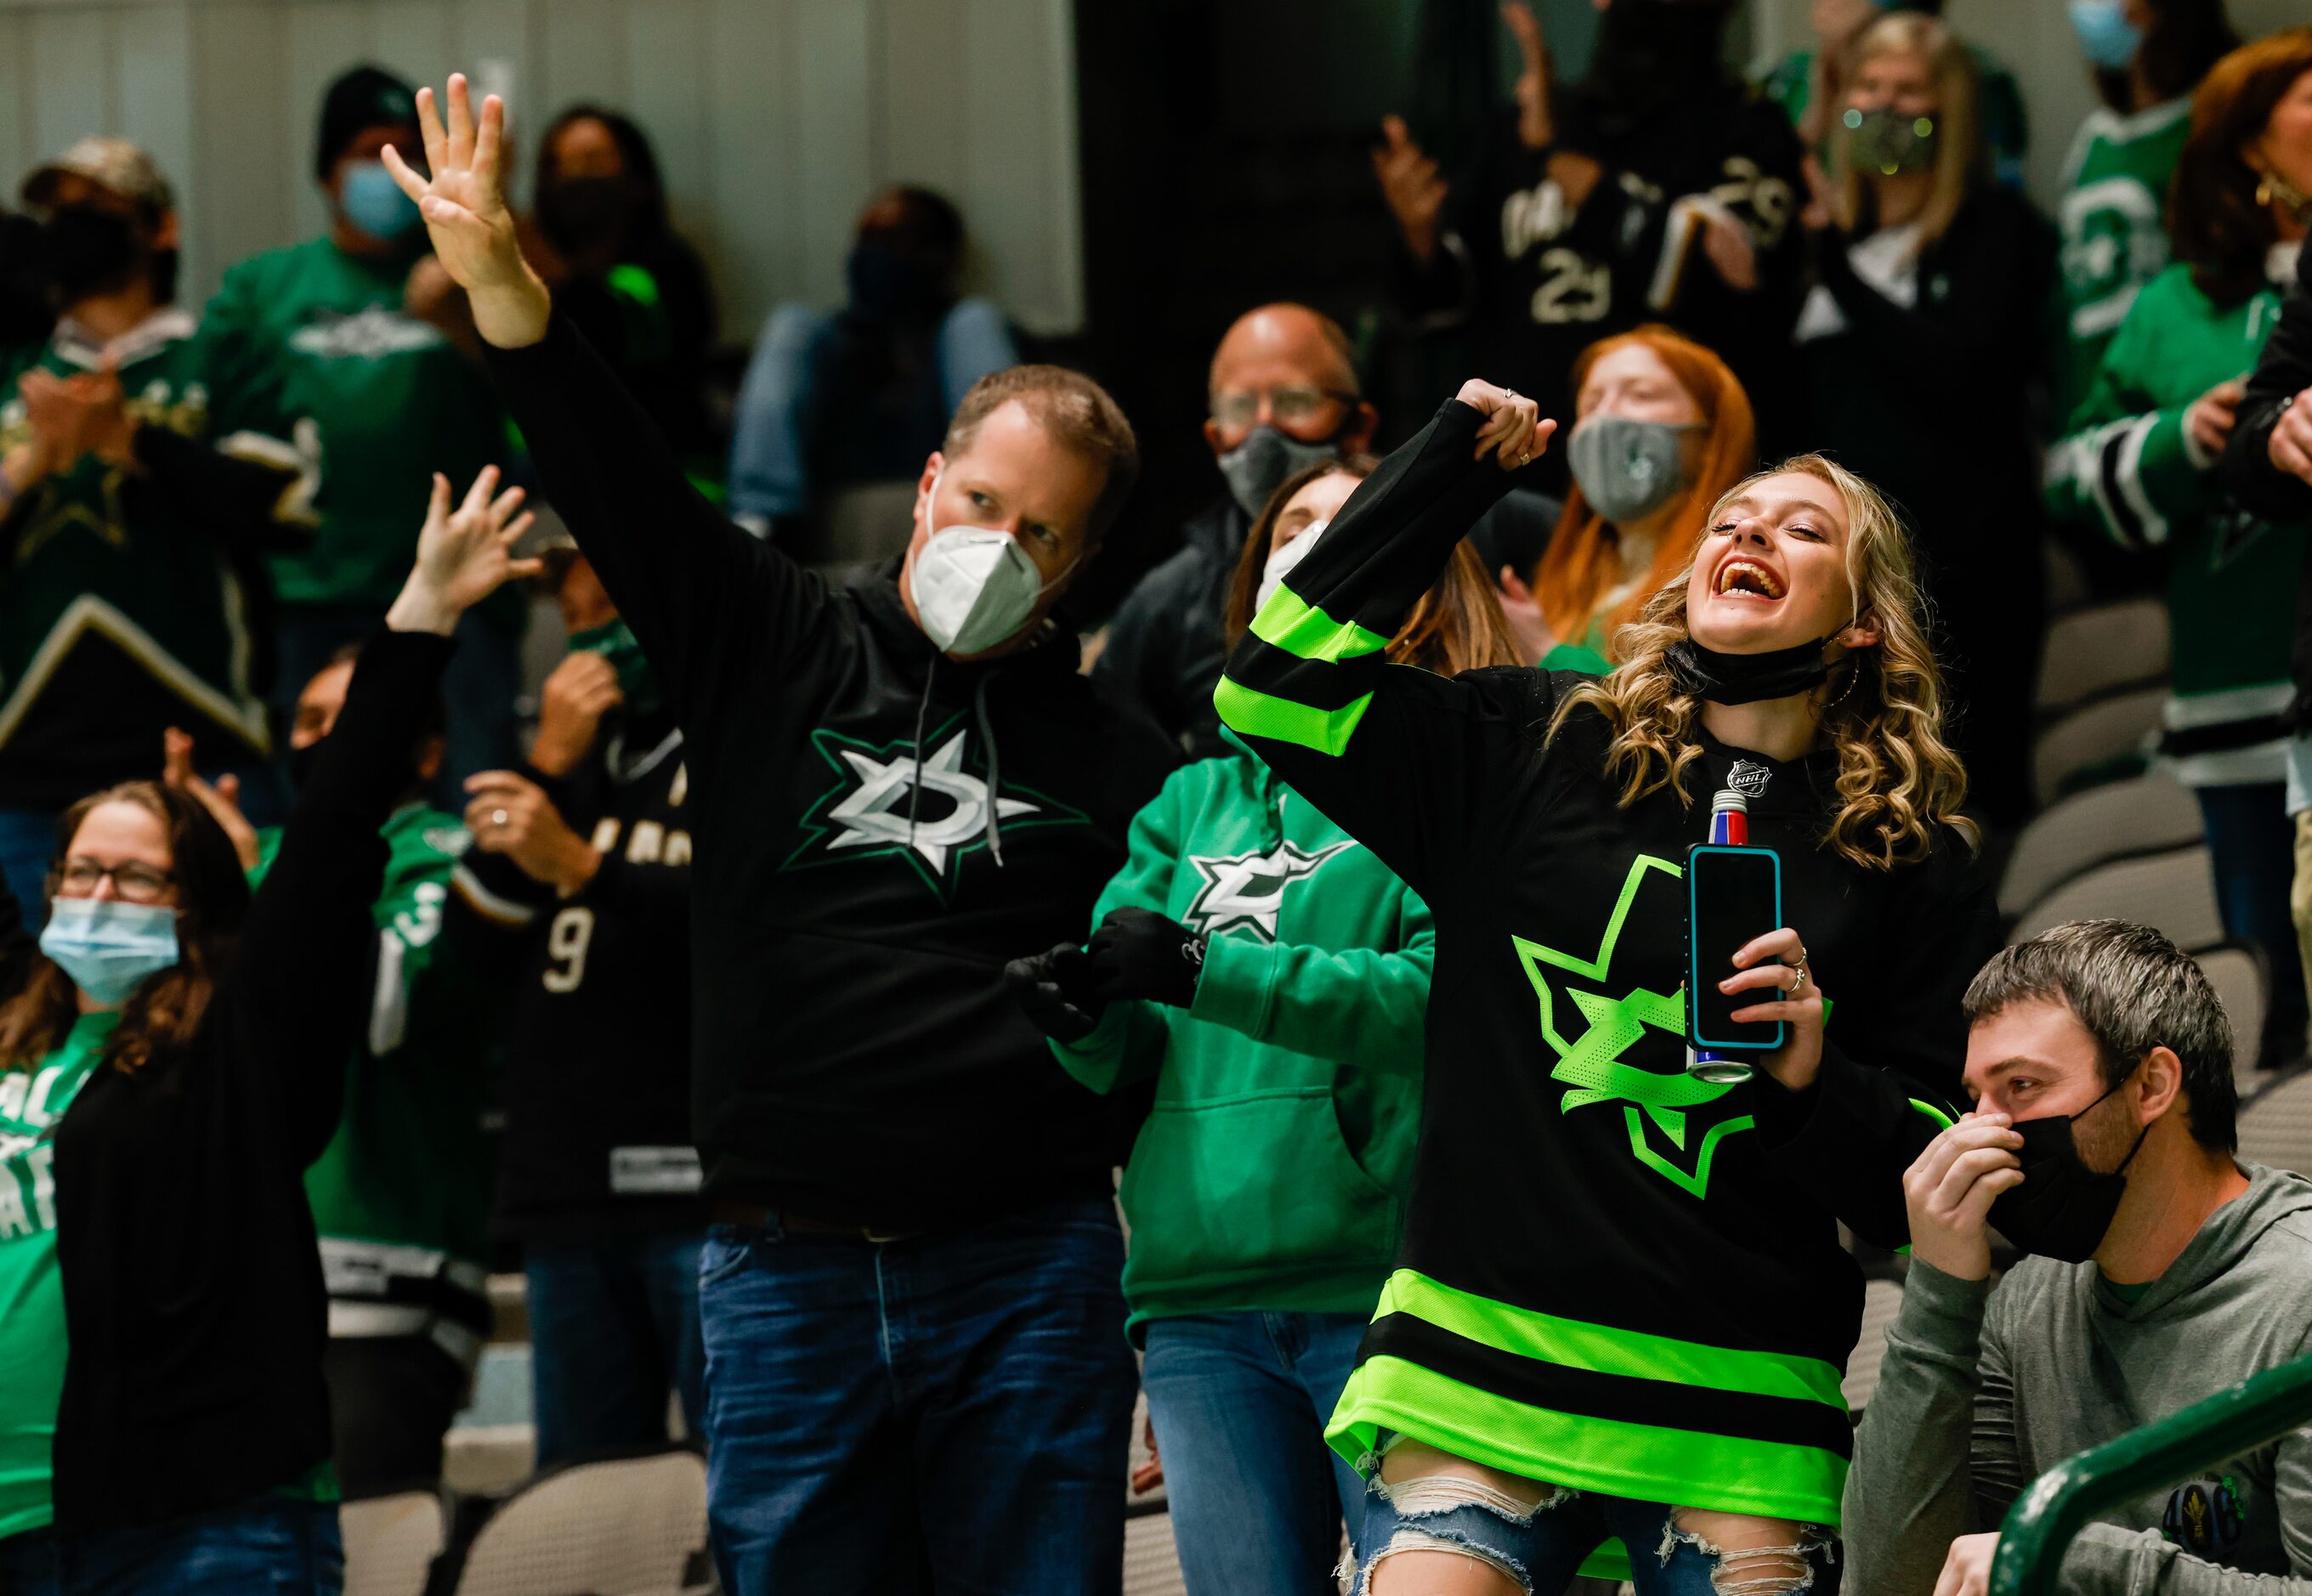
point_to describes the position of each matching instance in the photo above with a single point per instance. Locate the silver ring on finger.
(1799, 970)
(498, 818)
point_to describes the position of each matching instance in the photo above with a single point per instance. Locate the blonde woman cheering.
(1621, 1309)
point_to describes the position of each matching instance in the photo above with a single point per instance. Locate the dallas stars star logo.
(866, 814)
(1248, 889)
(1591, 1065)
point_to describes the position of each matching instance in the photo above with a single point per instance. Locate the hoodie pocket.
(1260, 1183)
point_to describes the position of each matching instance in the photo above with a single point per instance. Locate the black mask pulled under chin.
(1749, 678)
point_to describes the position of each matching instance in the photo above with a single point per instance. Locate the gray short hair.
(2131, 991)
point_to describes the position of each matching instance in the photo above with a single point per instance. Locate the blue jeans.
(479, 687)
(770, 453)
(1542, 1547)
(958, 1402)
(2252, 844)
(1239, 1402)
(270, 1545)
(613, 1327)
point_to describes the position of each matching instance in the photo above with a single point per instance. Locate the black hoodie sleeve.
(695, 588)
(1893, 1052)
(1394, 755)
(298, 991)
(2284, 373)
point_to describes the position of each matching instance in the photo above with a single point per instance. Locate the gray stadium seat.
(2092, 653)
(1151, 1563)
(2276, 1129)
(862, 524)
(390, 1543)
(2174, 892)
(2067, 578)
(2149, 814)
(630, 1527)
(2102, 733)
(2238, 974)
(1881, 1301)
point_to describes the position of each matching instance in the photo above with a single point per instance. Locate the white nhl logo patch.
(1248, 889)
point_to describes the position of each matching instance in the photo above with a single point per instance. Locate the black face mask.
(2062, 1208)
(887, 285)
(299, 761)
(580, 215)
(85, 251)
(1748, 678)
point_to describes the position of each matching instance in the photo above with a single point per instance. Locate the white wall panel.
(775, 120)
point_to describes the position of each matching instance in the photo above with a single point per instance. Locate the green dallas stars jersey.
(2128, 472)
(392, 398)
(2113, 214)
(401, 1195)
(1613, 1277)
(131, 600)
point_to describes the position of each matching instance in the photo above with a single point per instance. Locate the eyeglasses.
(1292, 406)
(134, 882)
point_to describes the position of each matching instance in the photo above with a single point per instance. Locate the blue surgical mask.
(107, 945)
(2108, 38)
(375, 203)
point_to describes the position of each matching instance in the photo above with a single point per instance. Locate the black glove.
(1137, 952)
(1054, 990)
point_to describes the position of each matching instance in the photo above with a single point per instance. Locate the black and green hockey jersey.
(2113, 214)
(1613, 1277)
(2130, 472)
(393, 399)
(401, 1195)
(132, 600)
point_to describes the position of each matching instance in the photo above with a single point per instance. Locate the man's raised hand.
(462, 555)
(463, 202)
(1950, 1190)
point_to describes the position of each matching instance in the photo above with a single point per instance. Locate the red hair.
(1582, 562)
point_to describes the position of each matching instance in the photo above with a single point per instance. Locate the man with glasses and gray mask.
(1284, 395)
(2161, 1271)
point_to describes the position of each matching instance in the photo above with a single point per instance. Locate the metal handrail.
(2055, 1507)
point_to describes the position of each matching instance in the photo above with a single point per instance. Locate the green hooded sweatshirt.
(1272, 1170)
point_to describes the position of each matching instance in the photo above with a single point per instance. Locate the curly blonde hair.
(1882, 709)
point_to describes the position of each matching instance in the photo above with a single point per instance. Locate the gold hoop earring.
(1852, 677)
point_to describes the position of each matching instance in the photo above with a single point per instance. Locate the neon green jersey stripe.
(1258, 714)
(1573, 1344)
(1645, 1462)
(1290, 622)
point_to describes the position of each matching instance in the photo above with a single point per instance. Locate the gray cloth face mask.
(1627, 468)
(1257, 467)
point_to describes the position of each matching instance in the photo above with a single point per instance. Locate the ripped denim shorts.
(1542, 1546)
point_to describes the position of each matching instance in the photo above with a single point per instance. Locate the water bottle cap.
(1728, 800)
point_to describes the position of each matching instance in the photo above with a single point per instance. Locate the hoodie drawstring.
(922, 711)
(995, 769)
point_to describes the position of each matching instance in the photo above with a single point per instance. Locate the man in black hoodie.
(915, 1339)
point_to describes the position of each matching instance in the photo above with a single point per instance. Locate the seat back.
(1881, 1301)
(2152, 814)
(2276, 1129)
(625, 1527)
(2105, 732)
(2173, 893)
(2244, 985)
(391, 1542)
(2094, 652)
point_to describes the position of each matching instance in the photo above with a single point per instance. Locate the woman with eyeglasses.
(171, 1050)
(1921, 344)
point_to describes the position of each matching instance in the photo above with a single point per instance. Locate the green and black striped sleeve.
(1391, 753)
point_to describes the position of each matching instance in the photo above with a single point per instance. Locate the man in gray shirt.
(2162, 1271)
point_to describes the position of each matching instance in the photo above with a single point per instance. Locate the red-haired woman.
(1662, 428)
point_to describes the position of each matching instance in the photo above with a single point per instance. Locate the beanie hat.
(364, 97)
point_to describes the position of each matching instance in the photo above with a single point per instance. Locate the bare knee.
(1429, 1555)
(1750, 1555)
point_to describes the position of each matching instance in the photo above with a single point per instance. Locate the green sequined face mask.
(615, 642)
(1885, 143)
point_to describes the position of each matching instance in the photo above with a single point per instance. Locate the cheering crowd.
(789, 991)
